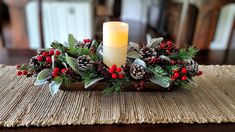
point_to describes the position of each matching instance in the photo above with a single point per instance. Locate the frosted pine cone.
(192, 67)
(137, 71)
(146, 52)
(84, 63)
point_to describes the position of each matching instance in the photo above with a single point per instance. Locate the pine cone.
(192, 67)
(82, 45)
(79, 44)
(137, 71)
(34, 63)
(146, 52)
(84, 63)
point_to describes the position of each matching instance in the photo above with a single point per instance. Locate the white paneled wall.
(59, 19)
(135, 10)
(224, 27)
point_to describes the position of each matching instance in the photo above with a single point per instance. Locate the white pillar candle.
(115, 43)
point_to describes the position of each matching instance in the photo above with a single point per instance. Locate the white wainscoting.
(224, 27)
(59, 19)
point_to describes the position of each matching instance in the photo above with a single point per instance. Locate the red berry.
(39, 58)
(54, 73)
(25, 72)
(176, 75)
(48, 59)
(168, 43)
(88, 40)
(45, 54)
(19, 73)
(172, 78)
(18, 66)
(183, 78)
(175, 71)
(111, 70)
(114, 76)
(57, 52)
(173, 62)
(199, 73)
(119, 69)
(56, 70)
(162, 46)
(64, 70)
(51, 52)
(114, 67)
(120, 76)
(184, 70)
(84, 40)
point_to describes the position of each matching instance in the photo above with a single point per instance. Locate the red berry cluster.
(152, 60)
(20, 72)
(168, 46)
(116, 72)
(58, 72)
(46, 56)
(180, 74)
(86, 41)
(24, 72)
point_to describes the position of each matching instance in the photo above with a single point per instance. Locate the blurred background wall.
(31, 24)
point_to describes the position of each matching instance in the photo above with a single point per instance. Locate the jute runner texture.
(23, 104)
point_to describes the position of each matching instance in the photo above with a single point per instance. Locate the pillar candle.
(115, 43)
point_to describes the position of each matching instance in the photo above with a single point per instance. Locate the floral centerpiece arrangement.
(158, 62)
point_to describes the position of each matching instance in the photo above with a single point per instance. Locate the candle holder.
(156, 66)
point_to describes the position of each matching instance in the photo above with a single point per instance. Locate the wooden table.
(13, 57)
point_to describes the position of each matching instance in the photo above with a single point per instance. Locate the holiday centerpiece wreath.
(79, 65)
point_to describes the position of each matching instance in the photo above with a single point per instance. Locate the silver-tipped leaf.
(134, 45)
(55, 85)
(43, 76)
(92, 82)
(163, 57)
(154, 42)
(162, 81)
(72, 63)
(133, 54)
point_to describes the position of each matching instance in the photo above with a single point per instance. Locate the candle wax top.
(115, 34)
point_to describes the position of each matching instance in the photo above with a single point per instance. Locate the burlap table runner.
(23, 104)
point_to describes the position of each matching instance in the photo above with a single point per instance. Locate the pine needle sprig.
(116, 86)
(183, 54)
(78, 51)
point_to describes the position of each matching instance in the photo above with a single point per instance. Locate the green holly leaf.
(43, 76)
(72, 63)
(55, 85)
(71, 41)
(158, 71)
(162, 81)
